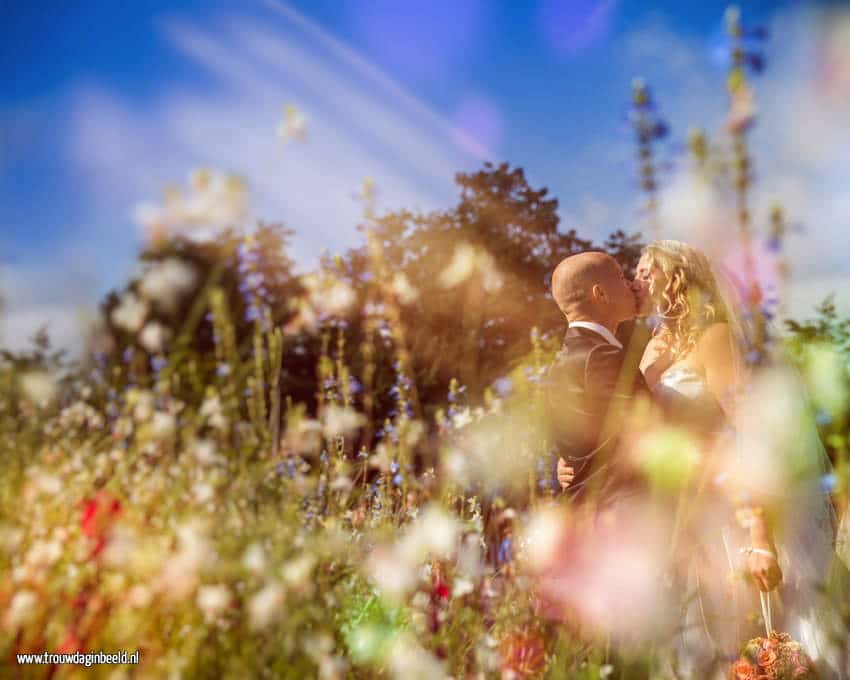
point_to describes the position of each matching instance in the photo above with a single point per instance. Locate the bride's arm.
(720, 361)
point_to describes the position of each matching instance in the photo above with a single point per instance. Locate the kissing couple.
(743, 542)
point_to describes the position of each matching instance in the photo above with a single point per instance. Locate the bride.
(694, 366)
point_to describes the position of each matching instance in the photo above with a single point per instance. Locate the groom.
(594, 378)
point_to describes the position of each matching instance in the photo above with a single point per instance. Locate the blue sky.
(100, 109)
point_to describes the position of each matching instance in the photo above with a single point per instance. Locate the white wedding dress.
(722, 608)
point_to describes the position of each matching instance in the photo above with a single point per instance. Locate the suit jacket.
(590, 387)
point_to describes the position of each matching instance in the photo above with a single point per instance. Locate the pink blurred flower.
(608, 572)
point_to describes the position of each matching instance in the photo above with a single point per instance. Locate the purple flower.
(503, 386)
(505, 549)
(828, 482)
(158, 363)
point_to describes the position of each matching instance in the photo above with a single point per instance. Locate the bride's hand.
(764, 569)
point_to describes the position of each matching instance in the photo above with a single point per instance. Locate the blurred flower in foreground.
(667, 456)
(214, 200)
(395, 568)
(755, 272)
(294, 125)
(775, 444)
(408, 660)
(491, 449)
(826, 375)
(607, 571)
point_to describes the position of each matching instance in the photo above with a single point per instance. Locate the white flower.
(165, 282)
(341, 421)
(462, 418)
(406, 293)
(205, 452)
(143, 402)
(121, 547)
(265, 606)
(338, 299)
(154, 336)
(463, 264)
(434, 532)
(179, 575)
(203, 492)
(21, 608)
(492, 279)
(213, 600)
(461, 587)
(606, 670)
(541, 537)
(50, 485)
(296, 572)
(211, 406)
(394, 576)
(254, 559)
(130, 313)
(163, 426)
(408, 660)
(294, 125)
(214, 200)
(139, 596)
(43, 554)
(38, 386)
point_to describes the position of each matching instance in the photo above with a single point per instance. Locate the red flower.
(98, 514)
(441, 591)
(70, 644)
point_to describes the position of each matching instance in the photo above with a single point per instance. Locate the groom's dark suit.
(591, 386)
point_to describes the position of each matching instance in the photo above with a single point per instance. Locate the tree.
(482, 271)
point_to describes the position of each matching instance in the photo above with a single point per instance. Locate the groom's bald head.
(592, 286)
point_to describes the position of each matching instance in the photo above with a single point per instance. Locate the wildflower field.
(345, 473)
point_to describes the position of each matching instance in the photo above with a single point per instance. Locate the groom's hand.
(566, 474)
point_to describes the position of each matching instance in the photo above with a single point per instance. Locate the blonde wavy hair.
(691, 298)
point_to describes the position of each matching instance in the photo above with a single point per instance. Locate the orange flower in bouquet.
(776, 657)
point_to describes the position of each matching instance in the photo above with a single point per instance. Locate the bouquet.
(776, 657)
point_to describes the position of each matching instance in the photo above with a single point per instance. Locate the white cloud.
(361, 123)
(120, 153)
(45, 295)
